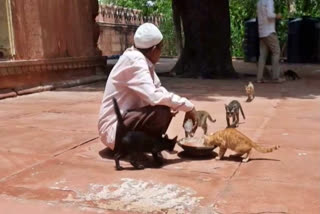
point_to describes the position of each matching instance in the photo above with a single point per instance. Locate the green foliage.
(137, 4)
(308, 8)
(154, 7)
(240, 11)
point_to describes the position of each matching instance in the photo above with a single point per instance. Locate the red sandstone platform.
(51, 160)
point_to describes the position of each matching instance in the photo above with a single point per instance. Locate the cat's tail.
(263, 149)
(117, 111)
(244, 117)
(210, 118)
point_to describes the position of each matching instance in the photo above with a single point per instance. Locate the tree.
(206, 46)
(212, 16)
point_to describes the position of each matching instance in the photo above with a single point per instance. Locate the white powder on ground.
(140, 196)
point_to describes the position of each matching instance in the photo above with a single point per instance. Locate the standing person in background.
(268, 39)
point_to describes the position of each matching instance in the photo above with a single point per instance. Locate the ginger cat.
(231, 138)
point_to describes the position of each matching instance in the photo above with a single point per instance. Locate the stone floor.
(51, 159)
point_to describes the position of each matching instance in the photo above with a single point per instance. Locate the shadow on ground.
(145, 159)
(208, 90)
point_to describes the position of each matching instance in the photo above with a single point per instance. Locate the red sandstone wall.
(55, 28)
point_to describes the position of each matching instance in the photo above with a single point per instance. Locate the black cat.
(232, 110)
(291, 75)
(134, 143)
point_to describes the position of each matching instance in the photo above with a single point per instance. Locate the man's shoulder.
(133, 54)
(268, 1)
(264, 2)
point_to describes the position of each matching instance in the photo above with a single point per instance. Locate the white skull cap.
(147, 35)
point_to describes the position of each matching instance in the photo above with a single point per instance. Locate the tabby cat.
(231, 138)
(232, 110)
(249, 91)
(134, 143)
(201, 121)
(291, 75)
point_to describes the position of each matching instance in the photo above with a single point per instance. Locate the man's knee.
(158, 120)
(162, 115)
(276, 52)
(163, 111)
(274, 45)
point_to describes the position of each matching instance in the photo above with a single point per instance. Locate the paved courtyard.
(51, 159)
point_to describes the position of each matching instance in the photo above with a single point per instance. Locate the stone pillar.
(54, 40)
(7, 49)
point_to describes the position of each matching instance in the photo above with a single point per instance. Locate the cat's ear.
(175, 139)
(226, 107)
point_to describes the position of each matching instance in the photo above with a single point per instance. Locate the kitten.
(249, 91)
(231, 138)
(134, 143)
(202, 122)
(291, 75)
(232, 110)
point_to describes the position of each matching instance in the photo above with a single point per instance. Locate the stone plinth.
(27, 73)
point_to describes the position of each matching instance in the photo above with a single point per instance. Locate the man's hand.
(193, 116)
(279, 16)
(174, 113)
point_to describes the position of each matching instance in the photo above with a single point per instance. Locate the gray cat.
(232, 110)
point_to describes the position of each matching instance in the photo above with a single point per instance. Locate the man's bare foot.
(280, 80)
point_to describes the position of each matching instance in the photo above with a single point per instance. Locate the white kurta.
(134, 83)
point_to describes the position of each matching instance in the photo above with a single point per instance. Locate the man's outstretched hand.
(279, 16)
(193, 116)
